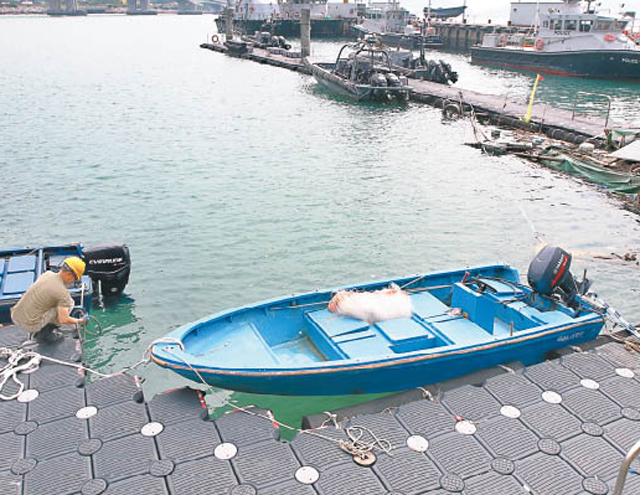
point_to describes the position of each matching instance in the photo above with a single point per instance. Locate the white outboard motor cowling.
(109, 266)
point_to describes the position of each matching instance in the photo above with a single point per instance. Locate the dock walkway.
(505, 436)
(554, 122)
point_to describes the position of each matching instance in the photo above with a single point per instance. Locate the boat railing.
(599, 95)
(624, 468)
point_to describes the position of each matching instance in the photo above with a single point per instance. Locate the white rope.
(13, 367)
(15, 356)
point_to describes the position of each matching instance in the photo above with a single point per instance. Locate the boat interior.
(19, 268)
(446, 313)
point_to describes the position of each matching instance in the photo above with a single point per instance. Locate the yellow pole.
(531, 98)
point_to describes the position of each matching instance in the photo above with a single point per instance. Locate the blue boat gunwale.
(169, 356)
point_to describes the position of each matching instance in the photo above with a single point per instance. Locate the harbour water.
(233, 182)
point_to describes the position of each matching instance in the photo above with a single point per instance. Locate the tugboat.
(393, 25)
(569, 42)
(362, 71)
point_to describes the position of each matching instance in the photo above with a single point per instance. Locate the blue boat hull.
(392, 376)
(294, 346)
(603, 64)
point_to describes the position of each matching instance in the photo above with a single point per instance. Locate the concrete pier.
(556, 123)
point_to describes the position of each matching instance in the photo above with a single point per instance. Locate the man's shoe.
(48, 334)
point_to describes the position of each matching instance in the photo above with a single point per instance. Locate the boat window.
(545, 24)
(556, 25)
(621, 25)
(603, 26)
(585, 26)
(570, 25)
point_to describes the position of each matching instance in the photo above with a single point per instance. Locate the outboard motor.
(108, 265)
(549, 274)
(378, 79)
(393, 80)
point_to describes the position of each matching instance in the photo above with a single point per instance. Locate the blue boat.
(108, 268)
(461, 321)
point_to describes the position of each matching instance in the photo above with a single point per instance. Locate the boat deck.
(474, 447)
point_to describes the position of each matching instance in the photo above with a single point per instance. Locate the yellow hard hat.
(76, 265)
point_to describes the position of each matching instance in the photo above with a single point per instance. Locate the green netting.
(616, 181)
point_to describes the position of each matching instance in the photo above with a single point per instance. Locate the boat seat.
(426, 305)
(340, 337)
(23, 263)
(17, 283)
(480, 307)
(462, 331)
(538, 317)
(407, 334)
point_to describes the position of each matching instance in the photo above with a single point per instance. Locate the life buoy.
(252, 8)
(609, 37)
(539, 44)
(296, 14)
(214, 38)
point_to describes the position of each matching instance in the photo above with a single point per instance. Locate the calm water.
(234, 182)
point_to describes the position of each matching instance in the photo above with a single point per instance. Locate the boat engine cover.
(378, 79)
(549, 272)
(109, 264)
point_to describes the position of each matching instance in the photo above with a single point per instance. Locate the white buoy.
(307, 475)
(590, 384)
(551, 397)
(152, 429)
(28, 395)
(418, 443)
(466, 427)
(87, 412)
(510, 412)
(225, 451)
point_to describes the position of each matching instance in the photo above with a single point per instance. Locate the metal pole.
(624, 468)
(229, 24)
(305, 33)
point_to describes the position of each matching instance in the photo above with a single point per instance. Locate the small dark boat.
(422, 68)
(362, 71)
(236, 48)
(107, 271)
(444, 12)
(264, 39)
(457, 322)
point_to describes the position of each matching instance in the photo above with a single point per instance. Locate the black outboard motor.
(549, 274)
(108, 264)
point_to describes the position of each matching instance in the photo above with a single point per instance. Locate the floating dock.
(555, 123)
(561, 427)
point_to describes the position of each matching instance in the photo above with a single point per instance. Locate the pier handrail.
(575, 103)
(624, 468)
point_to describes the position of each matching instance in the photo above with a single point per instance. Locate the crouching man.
(47, 303)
